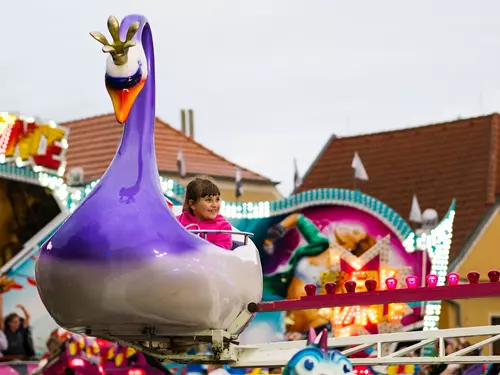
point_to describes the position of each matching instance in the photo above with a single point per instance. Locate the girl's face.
(53, 346)
(14, 324)
(450, 347)
(207, 208)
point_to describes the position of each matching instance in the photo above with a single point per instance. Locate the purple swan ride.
(121, 267)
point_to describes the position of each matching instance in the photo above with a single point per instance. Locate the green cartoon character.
(308, 263)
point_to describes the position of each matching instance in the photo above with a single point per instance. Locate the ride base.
(226, 349)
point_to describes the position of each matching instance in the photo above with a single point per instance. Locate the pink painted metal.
(382, 297)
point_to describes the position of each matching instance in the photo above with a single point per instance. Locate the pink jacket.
(191, 222)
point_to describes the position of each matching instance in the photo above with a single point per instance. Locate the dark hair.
(200, 187)
(55, 332)
(52, 340)
(9, 318)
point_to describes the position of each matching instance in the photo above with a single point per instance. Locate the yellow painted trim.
(469, 249)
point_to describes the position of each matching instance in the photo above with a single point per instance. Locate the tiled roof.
(457, 159)
(93, 143)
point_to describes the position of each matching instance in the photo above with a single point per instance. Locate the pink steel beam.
(382, 297)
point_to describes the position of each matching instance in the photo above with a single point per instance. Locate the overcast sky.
(281, 75)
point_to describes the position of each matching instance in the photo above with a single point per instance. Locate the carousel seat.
(237, 244)
(166, 296)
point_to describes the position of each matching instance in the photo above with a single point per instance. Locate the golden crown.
(117, 49)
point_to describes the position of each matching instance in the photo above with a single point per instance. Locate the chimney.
(191, 123)
(183, 121)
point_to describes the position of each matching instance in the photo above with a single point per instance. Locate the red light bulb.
(411, 281)
(432, 280)
(330, 288)
(473, 277)
(453, 278)
(76, 362)
(391, 283)
(371, 285)
(350, 286)
(494, 276)
(310, 290)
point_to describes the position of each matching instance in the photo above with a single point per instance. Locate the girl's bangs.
(209, 190)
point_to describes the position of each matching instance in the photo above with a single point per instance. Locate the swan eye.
(124, 83)
(308, 364)
(347, 369)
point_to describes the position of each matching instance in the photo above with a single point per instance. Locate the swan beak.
(123, 100)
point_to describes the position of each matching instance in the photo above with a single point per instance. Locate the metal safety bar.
(218, 231)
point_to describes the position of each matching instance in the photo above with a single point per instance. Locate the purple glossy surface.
(125, 217)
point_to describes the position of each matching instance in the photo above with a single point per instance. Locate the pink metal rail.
(412, 293)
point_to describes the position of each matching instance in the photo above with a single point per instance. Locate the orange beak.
(123, 100)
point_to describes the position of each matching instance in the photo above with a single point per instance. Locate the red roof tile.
(458, 159)
(93, 143)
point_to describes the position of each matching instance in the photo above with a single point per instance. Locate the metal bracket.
(240, 323)
(166, 348)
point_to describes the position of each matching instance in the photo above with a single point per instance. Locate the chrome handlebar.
(208, 231)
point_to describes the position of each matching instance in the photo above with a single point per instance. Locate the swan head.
(126, 66)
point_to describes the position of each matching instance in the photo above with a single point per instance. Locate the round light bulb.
(310, 290)
(473, 277)
(432, 280)
(494, 276)
(391, 283)
(453, 278)
(330, 288)
(371, 285)
(350, 286)
(411, 281)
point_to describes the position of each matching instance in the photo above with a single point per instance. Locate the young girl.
(201, 211)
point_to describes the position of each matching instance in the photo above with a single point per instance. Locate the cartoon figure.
(356, 240)
(307, 263)
(316, 359)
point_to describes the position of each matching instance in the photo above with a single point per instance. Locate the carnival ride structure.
(89, 356)
(76, 355)
(26, 207)
(146, 282)
(9, 367)
(317, 358)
